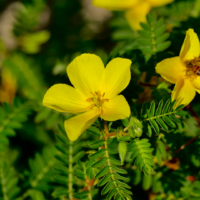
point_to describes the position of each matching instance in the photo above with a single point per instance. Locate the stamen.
(97, 100)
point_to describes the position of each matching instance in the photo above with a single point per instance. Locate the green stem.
(108, 159)
(70, 186)
(147, 119)
(89, 187)
(3, 180)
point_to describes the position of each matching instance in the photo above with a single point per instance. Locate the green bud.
(147, 181)
(135, 127)
(122, 151)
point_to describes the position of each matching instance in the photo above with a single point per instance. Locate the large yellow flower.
(183, 70)
(136, 10)
(95, 92)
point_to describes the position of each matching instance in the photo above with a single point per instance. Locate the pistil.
(97, 100)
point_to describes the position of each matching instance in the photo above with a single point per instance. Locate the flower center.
(97, 100)
(193, 68)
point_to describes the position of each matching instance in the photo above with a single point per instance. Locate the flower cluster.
(96, 89)
(136, 10)
(183, 70)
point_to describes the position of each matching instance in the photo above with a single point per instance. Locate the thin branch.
(147, 84)
(194, 114)
(70, 186)
(196, 117)
(186, 144)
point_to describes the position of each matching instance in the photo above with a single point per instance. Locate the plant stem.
(196, 117)
(147, 84)
(70, 186)
(108, 157)
(194, 114)
(186, 144)
(110, 168)
(105, 128)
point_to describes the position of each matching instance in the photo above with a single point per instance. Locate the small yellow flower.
(136, 10)
(183, 70)
(95, 92)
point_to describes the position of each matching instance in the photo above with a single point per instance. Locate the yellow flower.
(95, 92)
(136, 10)
(183, 70)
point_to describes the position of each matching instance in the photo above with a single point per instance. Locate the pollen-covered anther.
(193, 67)
(97, 100)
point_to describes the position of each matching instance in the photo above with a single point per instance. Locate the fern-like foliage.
(40, 174)
(153, 36)
(163, 116)
(11, 118)
(109, 172)
(49, 116)
(24, 70)
(160, 151)
(85, 174)
(142, 154)
(69, 154)
(8, 182)
(41, 169)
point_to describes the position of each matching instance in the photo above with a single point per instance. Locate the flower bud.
(122, 147)
(135, 127)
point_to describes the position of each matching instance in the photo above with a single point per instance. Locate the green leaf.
(97, 144)
(98, 154)
(159, 109)
(162, 124)
(108, 187)
(111, 193)
(181, 113)
(180, 107)
(118, 170)
(161, 147)
(152, 109)
(169, 122)
(147, 182)
(102, 172)
(163, 46)
(144, 111)
(100, 163)
(155, 126)
(81, 195)
(175, 119)
(166, 106)
(142, 155)
(104, 180)
(122, 147)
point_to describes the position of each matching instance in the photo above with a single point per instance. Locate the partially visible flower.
(8, 86)
(183, 70)
(136, 10)
(95, 92)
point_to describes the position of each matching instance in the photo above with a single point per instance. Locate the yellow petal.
(115, 109)
(196, 82)
(115, 4)
(75, 126)
(138, 14)
(190, 48)
(64, 98)
(171, 69)
(156, 3)
(183, 92)
(85, 73)
(116, 77)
